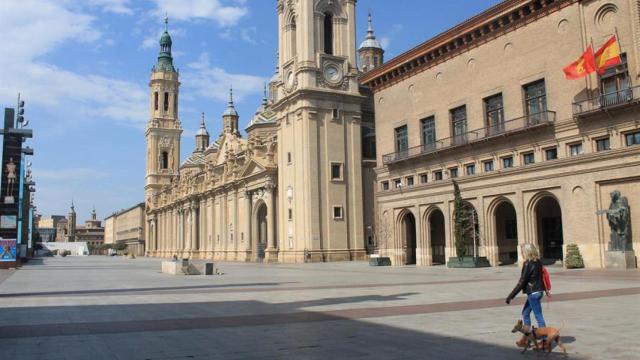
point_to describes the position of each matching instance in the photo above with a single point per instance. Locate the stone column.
(271, 241)
(187, 227)
(248, 219)
(194, 226)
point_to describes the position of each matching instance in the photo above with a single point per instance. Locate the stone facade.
(128, 227)
(535, 154)
(292, 189)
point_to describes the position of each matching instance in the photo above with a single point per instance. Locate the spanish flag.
(608, 55)
(585, 65)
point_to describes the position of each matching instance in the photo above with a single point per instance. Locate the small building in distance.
(128, 227)
(91, 232)
(47, 227)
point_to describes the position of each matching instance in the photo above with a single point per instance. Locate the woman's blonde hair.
(530, 252)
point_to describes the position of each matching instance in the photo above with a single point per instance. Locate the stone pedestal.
(620, 260)
(171, 268)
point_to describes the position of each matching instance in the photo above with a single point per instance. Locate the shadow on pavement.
(133, 291)
(257, 330)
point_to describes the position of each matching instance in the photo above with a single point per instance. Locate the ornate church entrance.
(261, 231)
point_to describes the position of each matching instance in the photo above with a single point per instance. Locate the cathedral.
(298, 184)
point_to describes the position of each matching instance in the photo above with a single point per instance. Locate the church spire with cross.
(165, 59)
(230, 117)
(202, 136)
(370, 50)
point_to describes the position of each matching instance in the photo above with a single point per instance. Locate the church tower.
(164, 128)
(371, 52)
(71, 233)
(202, 137)
(319, 107)
(230, 117)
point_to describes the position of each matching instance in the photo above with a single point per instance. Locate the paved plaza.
(117, 308)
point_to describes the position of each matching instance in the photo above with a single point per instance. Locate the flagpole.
(588, 80)
(619, 43)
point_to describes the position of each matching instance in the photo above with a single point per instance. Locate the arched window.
(328, 34)
(175, 103)
(165, 160)
(166, 101)
(293, 38)
(155, 100)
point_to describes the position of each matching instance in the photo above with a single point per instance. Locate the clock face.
(332, 73)
(291, 78)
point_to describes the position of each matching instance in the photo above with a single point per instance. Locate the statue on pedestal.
(619, 219)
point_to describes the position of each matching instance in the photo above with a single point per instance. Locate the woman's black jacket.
(530, 279)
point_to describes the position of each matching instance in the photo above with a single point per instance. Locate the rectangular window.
(551, 153)
(488, 166)
(335, 113)
(429, 133)
(385, 185)
(155, 101)
(437, 175)
(470, 169)
(424, 178)
(397, 183)
(459, 124)
(528, 158)
(633, 138)
(336, 172)
(290, 214)
(166, 101)
(507, 162)
(453, 173)
(289, 158)
(337, 213)
(410, 181)
(614, 85)
(494, 114)
(402, 141)
(535, 102)
(603, 144)
(575, 149)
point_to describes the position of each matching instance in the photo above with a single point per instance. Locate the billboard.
(7, 250)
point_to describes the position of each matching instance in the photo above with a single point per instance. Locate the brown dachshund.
(532, 335)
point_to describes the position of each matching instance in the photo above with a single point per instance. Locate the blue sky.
(83, 68)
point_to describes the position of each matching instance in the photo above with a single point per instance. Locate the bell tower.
(164, 128)
(370, 51)
(319, 107)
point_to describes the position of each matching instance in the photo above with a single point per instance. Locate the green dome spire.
(165, 60)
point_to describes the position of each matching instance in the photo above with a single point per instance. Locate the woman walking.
(531, 284)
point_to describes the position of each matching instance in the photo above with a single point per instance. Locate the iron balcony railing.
(607, 101)
(503, 128)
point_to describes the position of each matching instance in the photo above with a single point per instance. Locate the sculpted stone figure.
(619, 219)
(10, 169)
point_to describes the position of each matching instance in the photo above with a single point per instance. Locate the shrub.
(574, 259)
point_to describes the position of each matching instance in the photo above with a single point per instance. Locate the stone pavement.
(116, 308)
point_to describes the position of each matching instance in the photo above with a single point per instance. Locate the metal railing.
(485, 133)
(606, 101)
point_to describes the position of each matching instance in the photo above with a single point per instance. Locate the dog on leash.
(533, 335)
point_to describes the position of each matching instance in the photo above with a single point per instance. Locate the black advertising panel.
(9, 191)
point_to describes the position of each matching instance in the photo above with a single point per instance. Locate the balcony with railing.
(613, 100)
(487, 133)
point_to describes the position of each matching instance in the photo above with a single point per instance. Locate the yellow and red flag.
(608, 55)
(586, 64)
